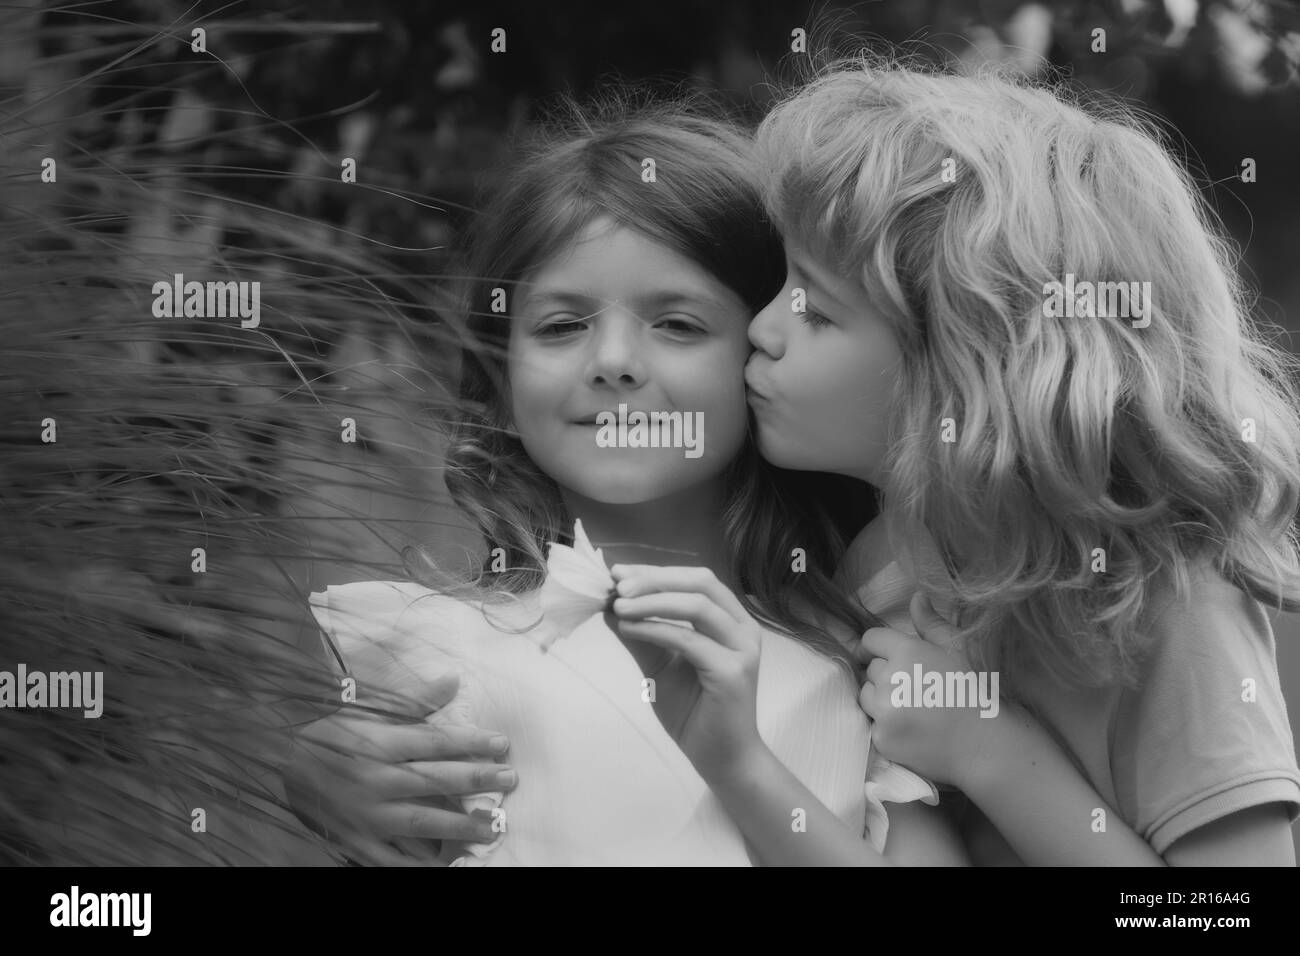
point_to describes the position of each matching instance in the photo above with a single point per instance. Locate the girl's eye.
(681, 326)
(553, 330)
(815, 319)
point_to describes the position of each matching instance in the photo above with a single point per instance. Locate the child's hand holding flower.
(723, 644)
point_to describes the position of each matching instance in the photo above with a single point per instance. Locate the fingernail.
(507, 778)
(499, 743)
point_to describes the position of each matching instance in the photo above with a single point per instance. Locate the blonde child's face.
(619, 319)
(822, 382)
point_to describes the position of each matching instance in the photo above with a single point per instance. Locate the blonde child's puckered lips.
(754, 386)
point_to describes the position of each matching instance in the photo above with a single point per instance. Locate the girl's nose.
(766, 330)
(616, 350)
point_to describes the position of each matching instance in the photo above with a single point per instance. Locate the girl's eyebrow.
(656, 299)
(556, 297)
(667, 297)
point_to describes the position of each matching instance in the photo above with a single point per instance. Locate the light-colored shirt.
(1204, 735)
(601, 782)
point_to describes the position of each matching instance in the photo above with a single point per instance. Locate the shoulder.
(1211, 628)
(886, 564)
(370, 605)
(865, 556)
(397, 613)
(1205, 733)
(378, 597)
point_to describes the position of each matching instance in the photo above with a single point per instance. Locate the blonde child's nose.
(764, 330)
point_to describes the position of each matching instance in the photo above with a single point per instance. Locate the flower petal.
(578, 584)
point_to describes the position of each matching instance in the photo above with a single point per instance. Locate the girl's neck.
(684, 528)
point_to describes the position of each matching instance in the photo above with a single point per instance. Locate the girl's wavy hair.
(1071, 434)
(585, 162)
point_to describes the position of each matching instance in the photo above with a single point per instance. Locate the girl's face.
(619, 319)
(821, 382)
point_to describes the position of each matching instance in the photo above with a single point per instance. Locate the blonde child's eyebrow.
(811, 283)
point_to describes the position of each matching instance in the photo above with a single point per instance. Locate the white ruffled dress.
(601, 782)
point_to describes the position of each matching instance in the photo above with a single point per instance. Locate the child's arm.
(362, 783)
(1017, 774)
(1043, 806)
(922, 835)
(765, 799)
(1007, 764)
(1047, 811)
(370, 783)
(721, 735)
(1257, 836)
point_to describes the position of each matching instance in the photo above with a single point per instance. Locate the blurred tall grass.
(176, 434)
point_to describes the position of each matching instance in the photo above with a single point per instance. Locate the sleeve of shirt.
(398, 637)
(1206, 733)
(393, 635)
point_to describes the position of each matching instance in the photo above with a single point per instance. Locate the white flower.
(578, 585)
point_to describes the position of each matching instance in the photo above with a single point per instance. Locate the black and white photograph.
(573, 435)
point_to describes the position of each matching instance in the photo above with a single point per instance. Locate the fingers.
(699, 610)
(371, 737)
(879, 671)
(402, 852)
(867, 700)
(433, 823)
(372, 853)
(443, 778)
(439, 692)
(880, 642)
(635, 580)
(427, 852)
(376, 852)
(929, 624)
(699, 651)
(455, 740)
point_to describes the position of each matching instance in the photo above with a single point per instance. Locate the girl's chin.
(636, 487)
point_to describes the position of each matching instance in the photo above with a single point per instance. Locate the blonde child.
(1097, 491)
